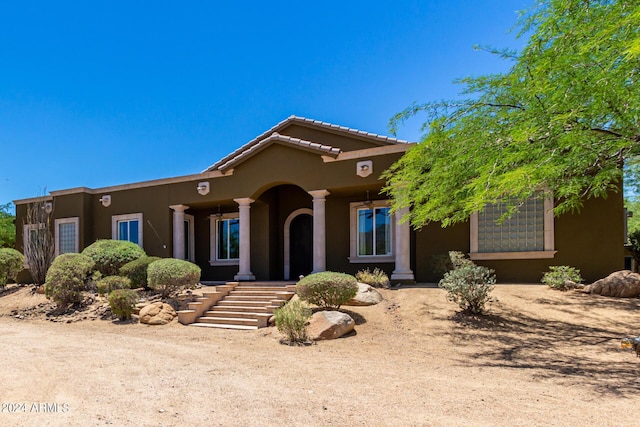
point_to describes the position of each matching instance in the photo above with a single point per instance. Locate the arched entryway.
(298, 244)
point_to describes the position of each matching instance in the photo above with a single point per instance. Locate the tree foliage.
(7, 227)
(563, 119)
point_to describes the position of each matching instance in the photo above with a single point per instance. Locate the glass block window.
(522, 232)
(66, 235)
(374, 231)
(228, 239)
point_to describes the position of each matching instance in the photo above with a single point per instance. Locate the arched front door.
(299, 244)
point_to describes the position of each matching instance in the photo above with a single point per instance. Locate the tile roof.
(305, 121)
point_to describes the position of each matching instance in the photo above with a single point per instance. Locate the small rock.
(328, 325)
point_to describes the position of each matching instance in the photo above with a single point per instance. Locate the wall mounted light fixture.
(203, 188)
(105, 200)
(364, 168)
(48, 207)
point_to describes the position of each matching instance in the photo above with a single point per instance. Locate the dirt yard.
(540, 358)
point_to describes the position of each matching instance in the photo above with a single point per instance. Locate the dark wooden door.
(301, 246)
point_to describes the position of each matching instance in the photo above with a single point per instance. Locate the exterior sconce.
(48, 207)
(364, 168)
(203, 188)
(105, 200)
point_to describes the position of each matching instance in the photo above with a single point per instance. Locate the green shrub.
(469, 287)
(169, 275)
(67, 278)
(136, 271)
(376, 278)
(123, 302)
(562, 277)
(11, 263)
(291, 321)
(444, 263)
(110, 255)
(111, 283)
(327, 289)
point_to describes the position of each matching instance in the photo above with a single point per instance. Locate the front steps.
(238, 305)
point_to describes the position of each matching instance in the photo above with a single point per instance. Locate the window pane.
(123, 230)
(223, 252)
(133, 231)
(67, 237)
(234, 238)
(365, 232)
(383, 231)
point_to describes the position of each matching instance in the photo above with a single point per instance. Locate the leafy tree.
(563, 119)
(633, 223)
(7, 227)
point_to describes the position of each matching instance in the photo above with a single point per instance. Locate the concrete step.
(244, 303)
(223, 326)
(235, 314)
(240, 309)
(228, 321)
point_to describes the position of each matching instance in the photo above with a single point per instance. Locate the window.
(371, 232)
(127, 227)
(225, 239)
(528, 233)
(66, 235)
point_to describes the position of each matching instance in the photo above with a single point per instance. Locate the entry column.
(319, 231)
(244, 206)
(178, 230)
(403, 248)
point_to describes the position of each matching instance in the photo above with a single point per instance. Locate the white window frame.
(191, 235)
(354, 257)
(549, 239)
(213, 240)
(115, 219)
(72, 220)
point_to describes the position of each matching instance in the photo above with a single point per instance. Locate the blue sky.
(104, 93)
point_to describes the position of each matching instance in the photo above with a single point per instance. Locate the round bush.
(123, 302)
(136, 271)
(67, 278)
(562, 277)
(376, 278)
(110, 255)
(110, 283)
(327, 289)
(291, 321)
(11, 263)
(445, 262)
(169, 275)
(469, 287)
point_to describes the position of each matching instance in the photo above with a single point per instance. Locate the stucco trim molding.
(480, 256)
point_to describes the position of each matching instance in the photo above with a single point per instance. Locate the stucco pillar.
(244, 206)
(403, 248)
(178, 230)
(319, 231)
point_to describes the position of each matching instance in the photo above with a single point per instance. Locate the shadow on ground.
(559, 350)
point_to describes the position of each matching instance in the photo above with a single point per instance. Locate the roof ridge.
(294, 118)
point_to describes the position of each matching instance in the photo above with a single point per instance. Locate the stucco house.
(304, 196)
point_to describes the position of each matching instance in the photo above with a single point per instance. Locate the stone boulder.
(157, 313)
(621, 284)
(367, 295)
(329, 325)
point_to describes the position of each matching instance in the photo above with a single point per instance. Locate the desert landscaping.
(539, 357)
